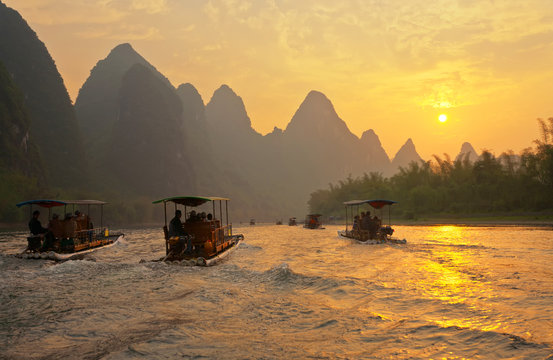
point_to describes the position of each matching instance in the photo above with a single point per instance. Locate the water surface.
(287, 292)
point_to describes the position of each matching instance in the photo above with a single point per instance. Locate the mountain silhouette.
(97, 103)
(405, 155)
(317, 119)
(226, 113)
(467, 152)
(375, 156)
(53, 125)
(146, 152)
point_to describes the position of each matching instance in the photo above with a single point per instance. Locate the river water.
(451, 292)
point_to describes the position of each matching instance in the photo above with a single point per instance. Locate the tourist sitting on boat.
(69, 229)
(82, 221)
(55, 226)
(193, 217)
(377, 221)
(176, 230)
(356, 223)
(209, 217)
(373, 227)
(366, 220)
(35, 226)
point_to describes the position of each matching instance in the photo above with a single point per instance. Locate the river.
(450, 292)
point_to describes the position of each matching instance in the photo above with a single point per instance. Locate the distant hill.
(318, 146)
(374, 154)
(53, 125)
(467, 152)
(405, 155)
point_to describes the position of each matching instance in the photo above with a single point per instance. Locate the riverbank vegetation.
(506, 184)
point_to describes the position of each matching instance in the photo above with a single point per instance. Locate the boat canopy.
(377, 204)
(314, 215)
(52, 203)
(190, 200)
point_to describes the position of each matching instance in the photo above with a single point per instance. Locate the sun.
(442, 118)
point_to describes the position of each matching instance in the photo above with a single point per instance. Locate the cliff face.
(97, 103)
(53, 124)
(146, 151)
(17, 151)
(236, 145)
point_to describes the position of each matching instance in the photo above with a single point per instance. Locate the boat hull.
(52, 255)
(344, 235)
(234, 243)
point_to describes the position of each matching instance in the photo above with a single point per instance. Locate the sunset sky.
(389, 65)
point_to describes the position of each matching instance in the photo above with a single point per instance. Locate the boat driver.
(35, 226)
(175, 226)
(176, 229)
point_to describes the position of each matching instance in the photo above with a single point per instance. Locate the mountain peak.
(314, 95)
(316, 117)
(224, 91)
(374, 153)
(189, 91)
(369, 136)
(405, 155)
(276, 131)
(467, 151)
(318, 99)
(227, 110)
(124, 48)
(125, 55)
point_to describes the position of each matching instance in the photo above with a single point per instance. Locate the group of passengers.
(176, 228)
(198, 217)
(365, 224)
(58, 229)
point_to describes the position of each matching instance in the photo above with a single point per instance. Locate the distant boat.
(70, 237)
(368, 230)
(211, 240)
(252, 221)
(279, 222)
(292, 221)
(312, 221)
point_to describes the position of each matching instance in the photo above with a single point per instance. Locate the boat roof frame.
(48, 203)
(191, 201)
(376, 203)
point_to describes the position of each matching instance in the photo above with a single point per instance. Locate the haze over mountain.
(468, 152)
(405, 155)
(53, 125)
(318, 145)
(145, 137)
(375, 155)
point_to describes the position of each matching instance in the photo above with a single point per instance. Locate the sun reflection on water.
(451, 276)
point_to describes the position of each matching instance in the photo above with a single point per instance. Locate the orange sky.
(392, 65)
